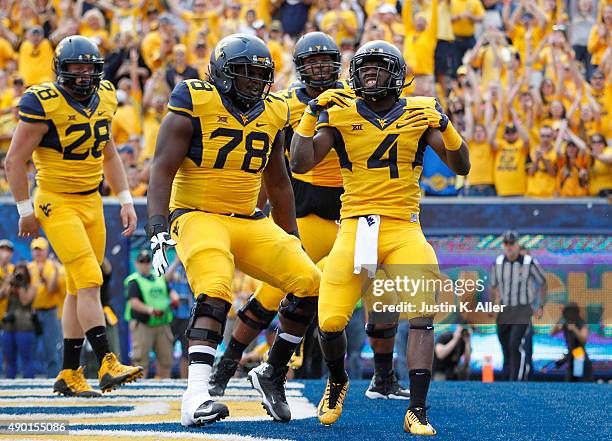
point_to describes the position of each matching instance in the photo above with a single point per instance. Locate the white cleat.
(198, 408)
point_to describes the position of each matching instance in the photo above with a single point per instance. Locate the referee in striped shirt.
(516, 278)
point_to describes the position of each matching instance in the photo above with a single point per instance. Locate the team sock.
(419, 386)
(96, 337)
(282, 349)
(234, 350)
(72, 353)
(383, 363)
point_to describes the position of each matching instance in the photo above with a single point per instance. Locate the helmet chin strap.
(241, 100)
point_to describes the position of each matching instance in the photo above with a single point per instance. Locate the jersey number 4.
(387, 146)
(100, 132)
(235, 138)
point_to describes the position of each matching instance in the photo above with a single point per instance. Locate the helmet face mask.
(241, 67)
(317, 60)
(319, 71)
(377, 70)
(78, 66)
(251, 81)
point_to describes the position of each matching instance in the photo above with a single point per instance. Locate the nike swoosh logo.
(207, 409)
(399, 126)
(260, 124)
(98, 336)
(101, 113)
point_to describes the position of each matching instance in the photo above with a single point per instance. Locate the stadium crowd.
(529, 83)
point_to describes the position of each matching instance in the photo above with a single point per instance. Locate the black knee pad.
(298, 309)
(206, 306)
(263, 316)
(374, 332)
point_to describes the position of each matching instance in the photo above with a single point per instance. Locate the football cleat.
(72, 383)
(223, 371)
(416, 422)
(113, 374)
(330, 407)
(270, 383)
(197, 409)
(386, 387)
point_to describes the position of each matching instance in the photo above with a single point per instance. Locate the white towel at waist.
(366, 245)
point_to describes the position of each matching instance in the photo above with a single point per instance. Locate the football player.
(214, 146)
(317, 197)
(65, 129)
(380, 140)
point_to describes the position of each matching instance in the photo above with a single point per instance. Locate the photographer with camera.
(6, 267)
(576, 332)
(19, 321)
(450, 349)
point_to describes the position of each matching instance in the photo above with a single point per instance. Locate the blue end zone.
(459, 411)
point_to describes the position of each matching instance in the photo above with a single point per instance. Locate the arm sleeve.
(180, 100)
(31, 109)
(134, 291)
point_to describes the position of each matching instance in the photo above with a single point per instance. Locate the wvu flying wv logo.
(45, 208)
(151, 401)
(219, 50)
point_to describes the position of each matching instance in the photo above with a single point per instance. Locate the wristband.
(25, 208)
(307, 125)
(125, 197)
(452, 139)
(157, 224)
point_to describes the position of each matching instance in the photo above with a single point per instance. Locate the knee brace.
(374, 332)
(422, 323)
(263, 316)
(206, 306)
(298, 309)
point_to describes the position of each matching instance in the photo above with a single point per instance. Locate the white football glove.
(159, 244)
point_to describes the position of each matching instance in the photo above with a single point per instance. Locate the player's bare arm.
(278, 187)
(115, 174)
(172, 145)
(26, 138)
(457, 160)
(306, 149)
(307, 152)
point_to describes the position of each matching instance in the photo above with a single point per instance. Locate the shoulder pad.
(427, 101)
(39, 102)
(279, 108)
(107, 85)
(190, 96)
(107, 93)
